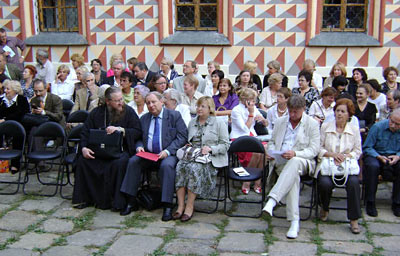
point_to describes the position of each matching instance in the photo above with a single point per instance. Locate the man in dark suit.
(46, 103)
(118, 67)
(143, 74)
(164, 132)
(10, 70)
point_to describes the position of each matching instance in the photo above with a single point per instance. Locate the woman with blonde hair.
(193, 178)
(191, 95)
(61, 86)
(244, 117)
(115, 57)
(275, 67)
(268, 94)
(252, 67)
(338, 69)
(77, 60)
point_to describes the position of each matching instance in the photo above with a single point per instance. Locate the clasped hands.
(391, 160)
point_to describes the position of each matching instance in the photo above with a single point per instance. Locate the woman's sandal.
(323, 215)
(245, 191)
(355, 229)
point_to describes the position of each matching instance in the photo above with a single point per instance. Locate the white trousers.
(288, 185)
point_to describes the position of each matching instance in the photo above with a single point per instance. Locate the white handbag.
(189, 153)
(339, 173)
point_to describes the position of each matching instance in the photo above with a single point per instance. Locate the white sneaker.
(269, 207)
(293, 231)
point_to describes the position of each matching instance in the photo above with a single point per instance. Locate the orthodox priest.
(98, 181)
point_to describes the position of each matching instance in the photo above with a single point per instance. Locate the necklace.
(281, 111)
(392, 86)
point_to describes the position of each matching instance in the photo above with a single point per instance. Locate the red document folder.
(148, 155)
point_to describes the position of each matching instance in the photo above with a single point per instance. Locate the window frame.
(342, 22)
(61, 10)
(197, 4)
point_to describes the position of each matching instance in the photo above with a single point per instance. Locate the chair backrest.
(75, 133)
(14, 129)
(246, 144)
(78, 116)
(67, 106)
(51, 130)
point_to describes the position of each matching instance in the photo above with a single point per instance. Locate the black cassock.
(98, 181)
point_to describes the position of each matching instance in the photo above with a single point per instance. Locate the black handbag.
(105, 146)
(32, 120)
(149, 198)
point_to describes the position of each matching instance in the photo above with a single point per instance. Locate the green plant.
(138, 221)
(59, 241)
(84, 221)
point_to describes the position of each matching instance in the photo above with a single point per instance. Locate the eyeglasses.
(118, 101)
(160, 83)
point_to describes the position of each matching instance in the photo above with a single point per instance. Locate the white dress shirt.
(266, 98)
(318, 109)
(239, 116)
(185, 113)
(290, 136)
(64, 90)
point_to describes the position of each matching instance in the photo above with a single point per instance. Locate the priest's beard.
(116, 115)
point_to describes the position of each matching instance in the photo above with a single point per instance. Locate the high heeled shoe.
(245, 191)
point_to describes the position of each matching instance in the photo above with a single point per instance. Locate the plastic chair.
(245, 144)
(67, 106)
(12, 130)
(49, 131)
(78, 116)
(70, 157)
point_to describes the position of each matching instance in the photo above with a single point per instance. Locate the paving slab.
(10, 199)
(385, 228)
(246, 224)
(187, 247)
(43, 205)
(34, 240)
(389, 243)
(97, 237)
(277, 222)
(215, 218)
(280, 233)
(67, 211)
(58, 226)
(292, 249)
(348, 247)
(4, 207)
(5, 235)
(67, 251)
(340, 232)
(237, 254)
(19, 220)
(107, 219)
(233, 242)
(197, 231)
(134, 245)
(148, 231)
(18, 252)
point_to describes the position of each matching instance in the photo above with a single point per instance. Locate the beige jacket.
(306, 144)
(349, 143)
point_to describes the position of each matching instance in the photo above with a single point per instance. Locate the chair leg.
(66, 184)
(56, 184)
(217, 200)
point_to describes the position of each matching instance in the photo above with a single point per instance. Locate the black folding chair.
(47, 131)
(11, 131)
(67, 107)
(221, 173)
(245, 144)
(74, 137)
(78, 116)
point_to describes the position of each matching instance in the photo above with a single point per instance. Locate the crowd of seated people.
(160, 112)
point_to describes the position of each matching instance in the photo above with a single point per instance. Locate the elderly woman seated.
(191, 95)
(341, 141)
(138, 103)
(172, 100)
(194, 178)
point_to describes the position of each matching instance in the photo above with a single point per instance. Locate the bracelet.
(251, 116)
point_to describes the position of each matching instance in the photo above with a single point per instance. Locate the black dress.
(368, 115)
(98, 181)
(385, 88)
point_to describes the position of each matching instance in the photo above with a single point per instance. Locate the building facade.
(289, 31)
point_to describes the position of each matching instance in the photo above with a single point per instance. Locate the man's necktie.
(156, 136)
(88, 100)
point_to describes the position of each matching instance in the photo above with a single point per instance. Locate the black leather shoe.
(129, 208)
(371, 209)
(167, 214)
(396, 210)
(81, 206)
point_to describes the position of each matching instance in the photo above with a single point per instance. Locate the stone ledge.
(196, 38)
(57, 38)
(343, 39)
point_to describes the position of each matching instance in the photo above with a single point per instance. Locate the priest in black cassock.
(98, 181)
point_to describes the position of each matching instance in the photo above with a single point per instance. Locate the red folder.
(148, 155)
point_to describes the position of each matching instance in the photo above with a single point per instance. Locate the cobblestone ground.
(36, 225)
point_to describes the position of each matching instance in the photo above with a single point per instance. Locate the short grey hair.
(395, 94)
(296, 102)
(14, 85)
(86, 75)
(43, 53)
(116, 62)
(143, 90)
(173, 95)
(155, 93)
(84, 69)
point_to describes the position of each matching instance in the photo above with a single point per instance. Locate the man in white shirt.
(173, 100)
(189, 68)
(317, 81)
(296, 138)
(44, 67)
(63, 87)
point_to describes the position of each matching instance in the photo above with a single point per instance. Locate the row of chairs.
(60, 154)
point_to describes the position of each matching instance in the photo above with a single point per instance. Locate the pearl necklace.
(281, 111)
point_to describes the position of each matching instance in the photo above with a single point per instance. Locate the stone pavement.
(34, 225)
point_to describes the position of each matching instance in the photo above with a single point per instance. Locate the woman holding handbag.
(341, 145)
(198, 176)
